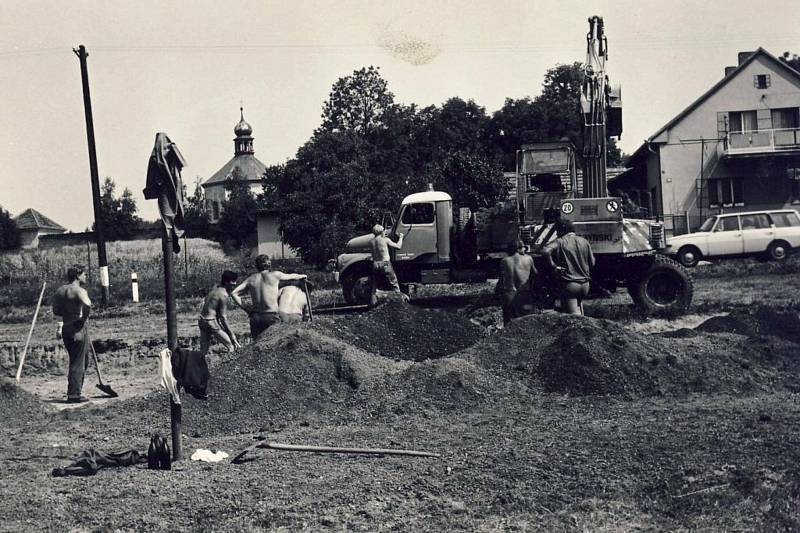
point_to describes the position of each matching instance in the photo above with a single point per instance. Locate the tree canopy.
(118, 215)
(10, 235)
(370, 151)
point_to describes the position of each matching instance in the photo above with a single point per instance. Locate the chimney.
(742, 57)
(728, 70)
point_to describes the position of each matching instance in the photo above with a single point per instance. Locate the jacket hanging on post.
(164, 183)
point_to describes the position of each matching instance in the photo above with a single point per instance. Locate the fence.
(682, 223)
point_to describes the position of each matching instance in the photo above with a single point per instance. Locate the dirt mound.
(586, 356)
(18, 407)
(758, 321)
(296, 374)
(402, 331)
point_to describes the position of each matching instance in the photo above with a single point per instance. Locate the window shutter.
(722, 124)
(764, 119)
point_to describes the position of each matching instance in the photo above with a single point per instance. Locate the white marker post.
(135, 287)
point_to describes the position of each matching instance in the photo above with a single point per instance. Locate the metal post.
(134, 287)
(172, 338)
(98, 224)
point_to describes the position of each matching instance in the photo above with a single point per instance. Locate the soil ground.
(611, 422)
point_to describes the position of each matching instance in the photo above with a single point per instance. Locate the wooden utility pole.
(98, 223)
(175, 411)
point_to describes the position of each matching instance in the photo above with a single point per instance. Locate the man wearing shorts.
(213, 322)
(572, 259)
(263, 290)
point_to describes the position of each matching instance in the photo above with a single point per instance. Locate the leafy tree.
(357, 102)
(118, 215)
(10, 235)
(237, 223)
(196, 215)
(473, 180)
(552, 116)
(793, 60)
(458, 126)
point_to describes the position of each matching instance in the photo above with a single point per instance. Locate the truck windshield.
(708, 224)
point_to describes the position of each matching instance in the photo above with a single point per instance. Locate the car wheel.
(777, 250)
(689, 256)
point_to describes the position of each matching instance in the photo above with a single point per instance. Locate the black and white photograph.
(400, 266)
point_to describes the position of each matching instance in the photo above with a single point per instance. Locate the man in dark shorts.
(263, 290)
(71, 302)
(572, 259)
(213, 321)
(516, 277)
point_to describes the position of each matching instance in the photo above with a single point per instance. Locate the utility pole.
(98, 223)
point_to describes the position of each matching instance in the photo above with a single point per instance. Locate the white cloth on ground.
(168, 381)
(208, 456)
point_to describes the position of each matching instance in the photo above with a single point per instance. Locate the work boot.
(164, 457)
(152, 453)
(80, 399)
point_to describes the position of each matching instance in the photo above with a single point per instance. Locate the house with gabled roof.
(735, 148)
(32, 225)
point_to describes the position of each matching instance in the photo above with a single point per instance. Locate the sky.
(185, 68)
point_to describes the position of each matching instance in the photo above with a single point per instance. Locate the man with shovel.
(263, 290)
(71, 302)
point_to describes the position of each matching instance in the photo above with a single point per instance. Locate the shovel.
(308, 298)
(103, 387)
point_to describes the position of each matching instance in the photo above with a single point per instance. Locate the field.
(612, 422)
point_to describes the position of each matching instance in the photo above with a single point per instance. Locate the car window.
(785, 220)
(418, 214)
(728, 224)
(758, 221)
(708, 224)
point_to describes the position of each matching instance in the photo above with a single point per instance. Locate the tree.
(793, 60)
(238, 220)
(357, 102)
(10, 235)
(552, 116)
(118, 215)
(195, 214)
(473, 180)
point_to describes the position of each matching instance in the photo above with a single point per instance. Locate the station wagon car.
(772, 234)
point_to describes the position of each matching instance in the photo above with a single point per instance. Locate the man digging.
(71, 302)
(213, 321)
(571, 257)
(263, 290)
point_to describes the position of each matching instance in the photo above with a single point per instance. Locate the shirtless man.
(516, 273)
(292, 304)
(71, 302)
(263, 290)
(213, 321)
(572, 259)
(382, 270)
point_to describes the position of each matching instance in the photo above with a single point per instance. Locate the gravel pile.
(402, 331)
(18, 407)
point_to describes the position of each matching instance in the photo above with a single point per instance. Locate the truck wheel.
(357, 286)
(664, 286)
(689, 256)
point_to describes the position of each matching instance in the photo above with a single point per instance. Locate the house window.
(761, 81)
(725, 193)
(786, 118)
(740, 121)
(215, 210)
